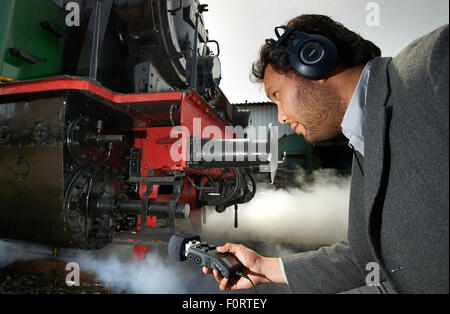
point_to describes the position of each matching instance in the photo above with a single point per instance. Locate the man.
(395, 113)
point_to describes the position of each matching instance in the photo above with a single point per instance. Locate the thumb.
(228, 248)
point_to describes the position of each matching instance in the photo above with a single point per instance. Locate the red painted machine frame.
(152, 135)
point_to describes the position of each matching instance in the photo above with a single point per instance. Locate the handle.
(49, 27)
(17, 52)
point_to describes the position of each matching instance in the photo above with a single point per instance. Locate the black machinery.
(84, 153)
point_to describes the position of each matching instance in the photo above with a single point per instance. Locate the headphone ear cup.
(312, 56)
(315, 58)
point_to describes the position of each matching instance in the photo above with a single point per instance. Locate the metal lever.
(19, 53)
(236, 215)
(49, 27)
(106, 138)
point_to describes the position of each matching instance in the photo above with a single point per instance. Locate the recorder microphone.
(189, 247)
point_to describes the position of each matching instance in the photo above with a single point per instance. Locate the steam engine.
(91, 116)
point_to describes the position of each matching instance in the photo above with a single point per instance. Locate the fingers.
(223, 282)
(217, 275)
(213, 272)
(242, 253)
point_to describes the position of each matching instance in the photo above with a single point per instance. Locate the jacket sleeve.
(330, 269)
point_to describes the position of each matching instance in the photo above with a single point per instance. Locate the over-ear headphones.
(312, 56)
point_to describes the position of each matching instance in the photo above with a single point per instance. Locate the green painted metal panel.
(29, 46)
(297, 152)
(293, 144)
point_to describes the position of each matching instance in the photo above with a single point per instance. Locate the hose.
(237, 176)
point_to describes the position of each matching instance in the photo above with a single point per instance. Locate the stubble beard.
(320, 111)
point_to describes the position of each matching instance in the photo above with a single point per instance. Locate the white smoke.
(11, 252)
(316, 214)
(114, 267)
(156, 274)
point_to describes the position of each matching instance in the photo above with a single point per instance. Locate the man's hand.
(258, 268)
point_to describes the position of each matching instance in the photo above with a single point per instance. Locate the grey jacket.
(398, 214)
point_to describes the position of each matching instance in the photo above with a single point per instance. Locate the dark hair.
(352, 48)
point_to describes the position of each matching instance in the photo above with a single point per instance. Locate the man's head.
(314, 108)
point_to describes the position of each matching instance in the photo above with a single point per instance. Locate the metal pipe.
(158, 209)
(237, 153)
(95, 41)
(194, 56)
(232, 153)
(106, 138)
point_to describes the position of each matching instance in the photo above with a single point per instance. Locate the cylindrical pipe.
(232, 153)
(106, 138)
(194, 56)
(95, 40)
(158, 209)
(183, 210)
(236, 153)
(131, 207)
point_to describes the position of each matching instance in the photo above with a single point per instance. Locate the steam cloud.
(156, 274)
(315, 215)
(113, 266)
(11, 252)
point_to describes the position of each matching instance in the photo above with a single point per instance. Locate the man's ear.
(319, 82)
